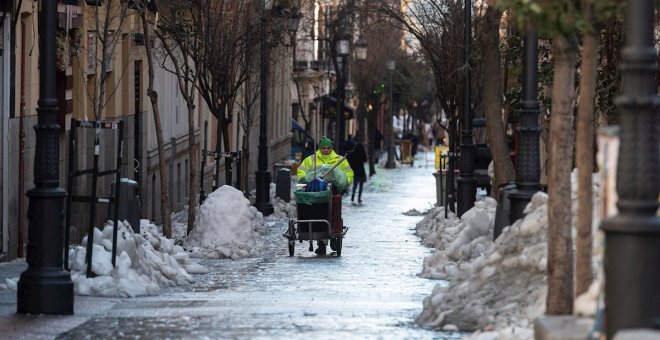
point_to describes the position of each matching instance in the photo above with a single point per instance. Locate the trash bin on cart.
(318, 218)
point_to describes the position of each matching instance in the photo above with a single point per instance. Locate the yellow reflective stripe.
(303, 168)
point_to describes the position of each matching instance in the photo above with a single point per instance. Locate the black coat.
(356, 160)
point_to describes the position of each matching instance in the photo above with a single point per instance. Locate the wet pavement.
(371, 291)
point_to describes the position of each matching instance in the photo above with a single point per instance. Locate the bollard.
(440, 188)
(129, 205)
(283, 184)
(503, 212)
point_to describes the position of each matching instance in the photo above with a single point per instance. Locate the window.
(91, 52)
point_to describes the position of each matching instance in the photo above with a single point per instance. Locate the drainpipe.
(6, 95)
(21, 152)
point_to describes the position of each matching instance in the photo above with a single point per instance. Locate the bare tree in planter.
(177, 34)
(146, 19)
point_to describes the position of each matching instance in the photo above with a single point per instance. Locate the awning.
(329, 107)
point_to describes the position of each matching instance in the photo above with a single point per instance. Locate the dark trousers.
(355, 185)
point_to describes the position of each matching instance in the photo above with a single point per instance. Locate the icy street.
(372, 291)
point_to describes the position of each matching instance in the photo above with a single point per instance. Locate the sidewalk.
(25, 326)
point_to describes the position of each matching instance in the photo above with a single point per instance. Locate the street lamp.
(342, 48)
(45, 287)
(528, 162)
(361, 50)
(632, 255)
(390, 164)
(467, 185)
(262, 200)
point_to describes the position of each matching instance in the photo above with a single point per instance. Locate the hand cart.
(318, 221)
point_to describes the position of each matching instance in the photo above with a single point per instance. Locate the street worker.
(324, 155)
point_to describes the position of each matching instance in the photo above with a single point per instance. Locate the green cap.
(325, 141)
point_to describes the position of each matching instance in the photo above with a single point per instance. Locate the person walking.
(356, 159)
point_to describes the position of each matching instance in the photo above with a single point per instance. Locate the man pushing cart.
(327, 176)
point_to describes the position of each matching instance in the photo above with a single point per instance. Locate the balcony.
(313, 65)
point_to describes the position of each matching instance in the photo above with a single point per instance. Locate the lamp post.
(361, 58)
(390, 164)
(466, 183)
(342, 49)
(45, 287)
(632, 255)
(528, 163)
(262, 200)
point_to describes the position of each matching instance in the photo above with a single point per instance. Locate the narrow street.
(371, 291)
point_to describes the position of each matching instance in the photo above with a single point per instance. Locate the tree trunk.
(245, 155)
(492, 101)
(560, 250)
(192, 166)
(585, 165)
(162, 161)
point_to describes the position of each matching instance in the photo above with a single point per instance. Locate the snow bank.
(456, 240)
(227, 226)
(502, 287)
(282, 209)
(144, 263)
(496, 287)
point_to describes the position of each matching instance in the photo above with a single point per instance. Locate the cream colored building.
(79, 70)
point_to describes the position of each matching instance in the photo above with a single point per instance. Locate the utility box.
(129, 203)
(283, 184)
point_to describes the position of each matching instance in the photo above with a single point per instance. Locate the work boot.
(321, 249)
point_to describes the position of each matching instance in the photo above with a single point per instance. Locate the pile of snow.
(500, 286)
(179, 222)
(456, 240)
(227, 226)
(505, 286)
(144, 263)
(282, 209)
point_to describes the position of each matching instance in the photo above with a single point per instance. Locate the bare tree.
(593, 16)
(560, 240)
(177, 36)
(492, 98)
(146, 19)
(437, 26)
(235, 27)
(108, 23)
(248, 116)
(585, 154)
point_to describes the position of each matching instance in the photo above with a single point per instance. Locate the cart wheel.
(339, 242)
(292, 238)
(333, 244)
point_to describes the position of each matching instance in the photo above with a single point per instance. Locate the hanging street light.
(343, 50)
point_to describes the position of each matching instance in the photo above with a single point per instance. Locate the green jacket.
(307, 164)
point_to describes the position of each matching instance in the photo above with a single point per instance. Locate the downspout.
(6, 99)
(21, 152)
